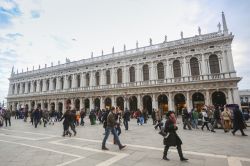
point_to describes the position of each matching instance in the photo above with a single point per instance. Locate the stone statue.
(33, 68)
(124, 47)
(58, 62)
(137, 44)
(39, 67)
(150, 41)
(219, 27)
(51, 64)
(102, 52)
(113, 50)
(27, 69)
(166, 39)
(181, 35)
(92, 54)
(199, 30)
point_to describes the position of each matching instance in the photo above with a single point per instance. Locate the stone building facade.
(188, 72)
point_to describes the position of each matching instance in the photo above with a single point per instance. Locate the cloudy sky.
(39, 32)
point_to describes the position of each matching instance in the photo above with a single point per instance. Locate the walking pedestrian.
(226, 115)
(7, 117)
(126, 118)
(111, 128)
(239, 123)
(172, 139)
(205, 119)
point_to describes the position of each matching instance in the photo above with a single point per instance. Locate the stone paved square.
(22, 144)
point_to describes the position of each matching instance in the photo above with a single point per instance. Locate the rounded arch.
(60, 107)
(47, 84)
(70, 81)
(54, 83)
(147, 103)
(62, 82)
(145, 70)
(163, 102)
(180, 102)
(132, 74)
(120, 102)
(78, 80)
(219, 98)
(86, 104)
(108, 103)
(177, 68)
(77, 104)
(97, 103)
(108, 77)
(119, 75)
(133, 103)
(46, 105)
(52, 106)
(68, 103)
(87, 79)
(160, 70)
(32, 104)
(198, 100)
(194, 65)
(97, 79)
(214, 64)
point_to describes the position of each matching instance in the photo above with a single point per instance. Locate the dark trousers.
(73, 127)
(187, 123)
(178, 149)
(82, 121)
(158, 125)
(107, 132)
(236, 129)
(205, 124)
(6, 120)
(125, 122)
(36, 122)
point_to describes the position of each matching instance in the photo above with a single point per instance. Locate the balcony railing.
(187, 79)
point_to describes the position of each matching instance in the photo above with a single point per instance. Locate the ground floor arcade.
(164, 101)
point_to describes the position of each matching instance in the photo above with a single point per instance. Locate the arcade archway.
(198, 100)
(120, 102)
(180, 103)
(133, 103)
(163, 103)
(147, 103)
(107, 103)
(219, 98)
(97, 103)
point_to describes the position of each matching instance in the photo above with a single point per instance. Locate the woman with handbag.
(172, 139)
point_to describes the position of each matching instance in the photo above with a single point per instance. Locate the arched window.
(13, 89)
(177, 68)
(132, 74)
(107, 77)
(47, 84)
(119, 76)
(62, 82)
(18, 88)
(145, 73)
(29, 87)
(70, 81)
(35, 86)
(160, 70)
(87, 79)
(78, 78)
(41, 85)
(54, 83)
(194, 64)
(214, 64)
(97, 79)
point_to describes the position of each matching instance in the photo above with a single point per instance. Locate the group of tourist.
(112, 118)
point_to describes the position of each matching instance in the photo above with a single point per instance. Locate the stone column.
(139, 100)
(224, 64)
(188, 102)
(113, 101)
(65, 82)
(184, 64)
(229, 97)
(51, 84)
(44, 85)
(102, 77)
(155, 102)
(83, 80)
(42, 104)
(102, 102)
(58, 83)
(38, 85)
(236, 96)
(203, 67)
(138, 73)
(151, 71)
(91, 78)
(91, 104)
(166, 68)
(72, 103)
(207, 100)
(170, 102)
(56, 105)
(228, 54)
(31, 86)
(26, 87)
(124, 74)
(81, 103)
(74, 81)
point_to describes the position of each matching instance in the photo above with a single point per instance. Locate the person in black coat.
(66, 123)
(36, 116)
(172, 139)
(238, 122)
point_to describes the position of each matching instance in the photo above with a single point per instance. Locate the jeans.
(6, 120)
(195, 123)
(107, 132)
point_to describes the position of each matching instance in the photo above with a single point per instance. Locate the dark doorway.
(147, 104)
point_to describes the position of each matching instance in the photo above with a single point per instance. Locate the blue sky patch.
(7, 14)
(35, 14)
